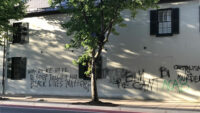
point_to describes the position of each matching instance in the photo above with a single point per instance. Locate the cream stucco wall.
(1, 68)
(133, 62)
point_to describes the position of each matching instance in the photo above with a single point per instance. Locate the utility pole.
(5, 43)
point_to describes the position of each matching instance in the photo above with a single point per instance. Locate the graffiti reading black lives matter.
(56, 77)
(126, 79)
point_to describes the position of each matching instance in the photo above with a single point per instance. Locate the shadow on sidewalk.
(99, 103)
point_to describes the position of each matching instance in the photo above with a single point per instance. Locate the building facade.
(155, 57)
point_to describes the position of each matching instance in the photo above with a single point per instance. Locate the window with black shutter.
(98, 70)
(82, 70)
(16, 68)
(21, 33)
(164, 22)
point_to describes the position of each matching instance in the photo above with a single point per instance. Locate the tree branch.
(102, 16)
(108, 34)
(84, 13)
(109, 29)
(112, 20)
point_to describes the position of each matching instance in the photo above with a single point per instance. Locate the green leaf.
(122, 25)
(67, 46)
(114, 32)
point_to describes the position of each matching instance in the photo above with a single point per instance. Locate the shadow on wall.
(45, 51)
(43, 48)
(132, 52)
(144, 85)
(126, 71)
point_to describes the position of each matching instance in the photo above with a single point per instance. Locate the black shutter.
(23, 67)
(18, 68)
(82, 70)
(175, 21)
(15, 73)
(17, 32)
(98, 69)
(9, 67)
(153, 22)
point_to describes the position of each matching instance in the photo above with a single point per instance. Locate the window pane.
(160, 31)
(164, 25)
(165, 15)
(164, 30)
(169, 30)
(169, 12)
(160, 16)
(169, 15)
(169, 24)
(164, 19)
(168, 18)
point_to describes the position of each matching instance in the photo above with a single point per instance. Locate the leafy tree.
(91, 23)
(10, 9)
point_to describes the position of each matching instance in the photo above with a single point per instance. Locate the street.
(23, 109)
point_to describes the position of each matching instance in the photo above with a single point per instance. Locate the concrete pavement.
(123, 105)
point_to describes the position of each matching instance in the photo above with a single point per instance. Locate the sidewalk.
(123, 105)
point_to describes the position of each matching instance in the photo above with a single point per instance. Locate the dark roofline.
(171, 1)
(44, 13)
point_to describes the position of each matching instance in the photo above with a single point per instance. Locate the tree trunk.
(94, 92)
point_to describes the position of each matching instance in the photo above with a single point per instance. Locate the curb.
(42, 105)
(89, 108)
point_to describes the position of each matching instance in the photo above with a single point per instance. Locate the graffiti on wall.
(126, 79)
(122, 78)
(191, 73)
(164, 72)
(177, 84)
(57, 78)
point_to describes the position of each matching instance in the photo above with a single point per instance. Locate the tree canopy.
(10, 9)
(92, 22)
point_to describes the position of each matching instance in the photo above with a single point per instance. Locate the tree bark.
(94, 92)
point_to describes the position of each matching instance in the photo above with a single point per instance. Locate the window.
(164, 22)
(21, 33)
(98, 70)
(16, 68)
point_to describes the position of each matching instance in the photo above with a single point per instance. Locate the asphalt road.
(29, 109)
(7, 109)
